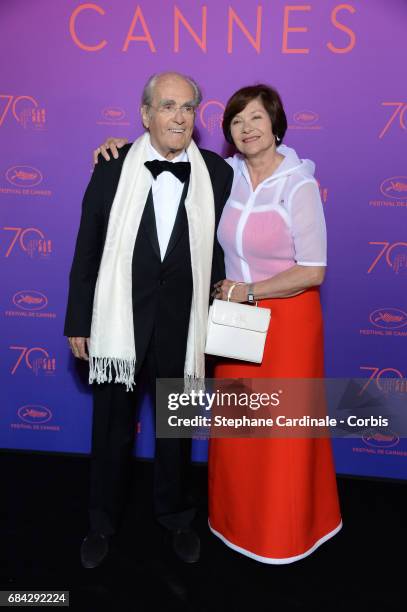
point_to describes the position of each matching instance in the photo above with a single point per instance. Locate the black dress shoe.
(94, 549)
(186, 545)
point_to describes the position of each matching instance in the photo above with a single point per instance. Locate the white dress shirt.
(167, 191)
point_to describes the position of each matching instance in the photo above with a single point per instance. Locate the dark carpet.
(44, 519)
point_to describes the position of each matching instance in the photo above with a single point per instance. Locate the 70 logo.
(42, 360)
(400, 110)
(395, 260)
(30, 239)
(383, 378)
(21, 108)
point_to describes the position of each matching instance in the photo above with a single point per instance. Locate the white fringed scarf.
(112, 353)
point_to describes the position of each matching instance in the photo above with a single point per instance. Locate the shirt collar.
(154, 154)
(281, 171)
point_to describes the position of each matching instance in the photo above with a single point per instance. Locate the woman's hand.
(110, 143)
(221, 289)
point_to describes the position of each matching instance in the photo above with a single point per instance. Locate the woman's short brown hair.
(271, 101)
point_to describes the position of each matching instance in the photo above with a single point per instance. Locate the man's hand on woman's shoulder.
(110, 143)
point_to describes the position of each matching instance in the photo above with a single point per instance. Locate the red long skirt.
(275, 499)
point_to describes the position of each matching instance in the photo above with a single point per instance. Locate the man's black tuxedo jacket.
(162, 290)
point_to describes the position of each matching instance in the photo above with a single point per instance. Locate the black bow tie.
(181, 170)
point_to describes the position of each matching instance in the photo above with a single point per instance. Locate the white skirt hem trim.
(271, 560)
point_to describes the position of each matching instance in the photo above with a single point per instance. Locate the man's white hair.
(148, 91)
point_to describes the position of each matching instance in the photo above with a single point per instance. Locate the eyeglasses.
(171, 109)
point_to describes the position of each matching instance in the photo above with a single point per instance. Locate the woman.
(273, 499)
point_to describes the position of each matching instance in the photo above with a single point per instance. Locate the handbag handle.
(231, 289)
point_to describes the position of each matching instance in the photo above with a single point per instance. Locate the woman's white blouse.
(279, 224)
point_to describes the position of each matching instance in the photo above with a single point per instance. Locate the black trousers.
(113, 432)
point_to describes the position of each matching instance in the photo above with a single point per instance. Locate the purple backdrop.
(72, 74)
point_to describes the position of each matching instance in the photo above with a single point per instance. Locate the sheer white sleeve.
(308, 225)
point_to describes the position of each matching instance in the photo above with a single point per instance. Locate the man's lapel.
(149, 224)
(181, 222)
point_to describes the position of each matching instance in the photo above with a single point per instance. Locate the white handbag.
(237, 331)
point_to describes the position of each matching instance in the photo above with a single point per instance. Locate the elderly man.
(146, 256)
